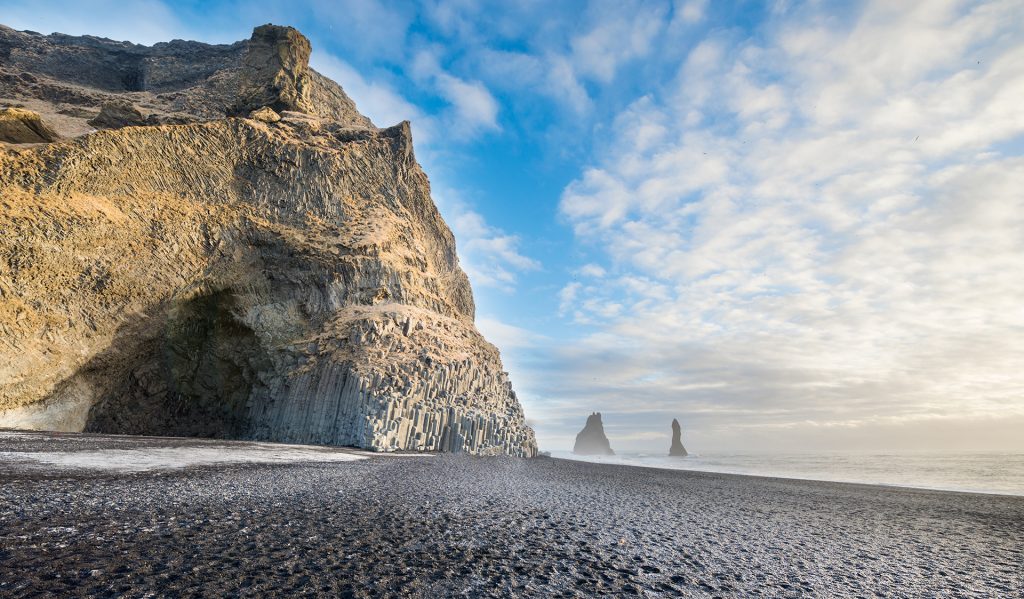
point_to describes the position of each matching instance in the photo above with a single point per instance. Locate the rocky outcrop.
(591, 440)
(67, 80)
(265, 114)
(114, 115)
(285, 277)
(19, 126)
(275, 71)
(677, 449)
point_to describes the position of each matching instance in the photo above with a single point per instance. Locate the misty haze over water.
(981, 472)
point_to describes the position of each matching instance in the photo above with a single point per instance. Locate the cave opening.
(195, 377)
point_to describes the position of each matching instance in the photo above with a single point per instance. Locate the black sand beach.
(457, 526)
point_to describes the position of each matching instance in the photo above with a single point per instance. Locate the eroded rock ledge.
(285, 277)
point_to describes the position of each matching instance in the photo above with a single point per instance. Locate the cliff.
(591, 440)
(236, 252)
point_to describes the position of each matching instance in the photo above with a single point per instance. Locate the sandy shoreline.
(452, 525)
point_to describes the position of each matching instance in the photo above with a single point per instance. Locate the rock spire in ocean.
(591, 440)
(677, 448)
(210, 240)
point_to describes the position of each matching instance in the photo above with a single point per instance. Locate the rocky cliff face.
(592, 440)
(190, 270)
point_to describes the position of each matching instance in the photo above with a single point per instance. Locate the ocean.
(999, 473)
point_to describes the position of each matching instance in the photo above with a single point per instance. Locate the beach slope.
(443, 525)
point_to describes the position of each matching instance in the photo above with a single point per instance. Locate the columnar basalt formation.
(591, 440)
(677, 449)
(253, 259)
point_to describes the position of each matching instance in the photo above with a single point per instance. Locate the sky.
(794, 226)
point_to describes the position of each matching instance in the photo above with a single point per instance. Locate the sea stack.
(677, 449)
(210, 240)
(591, 440)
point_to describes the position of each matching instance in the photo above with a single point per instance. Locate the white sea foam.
(158, 458)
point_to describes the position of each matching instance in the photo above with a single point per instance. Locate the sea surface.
(999, 473)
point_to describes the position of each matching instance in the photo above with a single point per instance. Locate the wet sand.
(458, 526)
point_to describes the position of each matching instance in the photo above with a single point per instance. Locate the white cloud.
(378, 101)
(562, 83)
(567, 296)
(620, 33)
(690, 11)
(546, 74)
(475, 106)
(474, 109)
(506, 336)
(819, 225)
(490, 256)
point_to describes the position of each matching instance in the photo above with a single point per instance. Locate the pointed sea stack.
(677, 449)
(591, 440)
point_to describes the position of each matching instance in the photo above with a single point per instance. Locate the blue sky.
(791, 225)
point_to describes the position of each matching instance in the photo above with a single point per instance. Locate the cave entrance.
(195, 377)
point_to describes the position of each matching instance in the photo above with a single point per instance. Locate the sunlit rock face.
(677, 449)
(188, 270)
(20, 126)
(591, 440)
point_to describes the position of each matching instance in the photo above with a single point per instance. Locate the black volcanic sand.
(460, 526)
